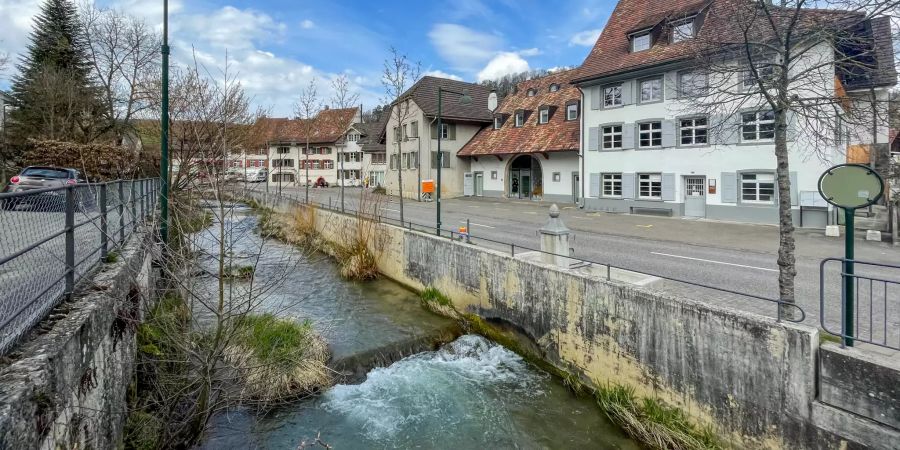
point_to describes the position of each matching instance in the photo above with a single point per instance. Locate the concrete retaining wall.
(863, 384)
(65, 386)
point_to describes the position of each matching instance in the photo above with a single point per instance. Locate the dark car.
(45, 177)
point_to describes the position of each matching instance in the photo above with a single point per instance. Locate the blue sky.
(277, 46)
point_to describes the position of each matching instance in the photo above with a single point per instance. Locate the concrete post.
(555, 241)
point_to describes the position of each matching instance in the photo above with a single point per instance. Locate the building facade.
(372, 138)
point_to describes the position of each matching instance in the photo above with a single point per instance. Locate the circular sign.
(851, 186)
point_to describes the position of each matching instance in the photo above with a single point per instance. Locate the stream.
(470, 393)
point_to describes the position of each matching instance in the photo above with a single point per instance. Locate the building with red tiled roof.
(531, 149)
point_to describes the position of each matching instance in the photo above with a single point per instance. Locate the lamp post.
(164, 137)
(3, 161)
(465, 100)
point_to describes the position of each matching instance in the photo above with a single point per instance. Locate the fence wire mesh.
(50, 239)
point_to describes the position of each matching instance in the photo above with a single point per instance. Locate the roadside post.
(850, 187)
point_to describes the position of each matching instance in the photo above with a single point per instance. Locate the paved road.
(737, 257)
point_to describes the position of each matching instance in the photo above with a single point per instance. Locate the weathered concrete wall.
(65, 386)
(864, 384)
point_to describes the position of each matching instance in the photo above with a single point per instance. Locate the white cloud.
(503, 64)
(307, 24)
(586, 38)
(530, 52)
(464, 48)
(230, 27)
(442, 74)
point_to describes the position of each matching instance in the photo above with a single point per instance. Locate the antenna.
(492, 101)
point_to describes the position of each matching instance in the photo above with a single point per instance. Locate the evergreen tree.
(54, 95)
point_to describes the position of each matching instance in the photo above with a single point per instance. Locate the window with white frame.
(612, 137)
(650, 186)
(683, 30)
(414, 129)
(498, 122)
(640, 42)
(692, 83)
(758, 126)
(572, 111)
(404, 132)
(445, 159)
(765, 70)
(493, 174)
(554, 87)
(531, 92)
(612, 185)
(650, 134)
(283, 150)
(445, 130)
(520, 119)
(612, 96)
(758, 188)
(694, 131)
(651, 90)
(352, 137)
(544, 115)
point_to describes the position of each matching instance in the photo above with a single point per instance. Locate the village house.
(530, 150)
(372, 138)
(646, 148)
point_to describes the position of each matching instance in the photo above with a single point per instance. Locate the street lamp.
(164, 137)
(464, 99)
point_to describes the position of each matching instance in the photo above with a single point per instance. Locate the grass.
(273, 340)
(111, 257)
(142, 431)
(825, 336)
(433, 295)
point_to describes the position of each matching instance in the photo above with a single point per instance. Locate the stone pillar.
(555, 241)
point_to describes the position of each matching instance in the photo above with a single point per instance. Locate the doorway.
(524, 177)
(695, 196)
(576, 187)
(479, 184)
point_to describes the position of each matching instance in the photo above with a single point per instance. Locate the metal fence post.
(121, 213)
(142, 184)
(70, 240)
(134, 222)
(104, 226)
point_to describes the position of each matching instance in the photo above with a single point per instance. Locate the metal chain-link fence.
(52, 238)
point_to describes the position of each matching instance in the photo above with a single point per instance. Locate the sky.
(277, 46)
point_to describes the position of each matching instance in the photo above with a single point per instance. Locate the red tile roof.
(327, 127)
(555, 136)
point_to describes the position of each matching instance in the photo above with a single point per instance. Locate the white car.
(256, 174)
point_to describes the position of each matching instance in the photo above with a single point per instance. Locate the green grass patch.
(433, 295)
(273, 340)
(825, 336)
(111, 257)
(142, 431)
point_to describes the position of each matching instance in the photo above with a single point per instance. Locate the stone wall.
(65, 385)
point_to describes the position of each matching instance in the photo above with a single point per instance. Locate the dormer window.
(520, 118)
(554, 87)
(531, 92)
(498, 122)
(544, 115)
(683, 30)
(572, 111)
(640, 42)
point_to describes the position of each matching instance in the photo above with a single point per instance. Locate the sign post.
(850, 187)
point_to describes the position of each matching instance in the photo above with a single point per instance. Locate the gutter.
(581, 149)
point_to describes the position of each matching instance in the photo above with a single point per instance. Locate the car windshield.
(44, 172)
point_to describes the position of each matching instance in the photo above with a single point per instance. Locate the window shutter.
(595, 97)
(595, 185)
(729, 187)
(793, 126)
(628, 185)
(593, 139)
(434, 133)
(670, 82)
(668, 187)
(668, 133)
(795, 196)
(628, 136)
(451, 132)
(726, 130)
(628, 92)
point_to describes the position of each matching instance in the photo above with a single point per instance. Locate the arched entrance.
(525, 180)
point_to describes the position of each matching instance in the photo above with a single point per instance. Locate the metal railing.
(51, 238)
(787, 311)
(869, 303)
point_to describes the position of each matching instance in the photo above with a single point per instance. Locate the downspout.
(581, 112)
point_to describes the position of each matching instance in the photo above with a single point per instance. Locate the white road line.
(715, 262)
(391, 210)
(477, 224)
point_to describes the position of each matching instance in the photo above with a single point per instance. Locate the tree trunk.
(787, 268)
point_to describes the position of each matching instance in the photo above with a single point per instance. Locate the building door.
(479, 184)
(525, 184)
(468, 184)
(695, 196)
(576, 187)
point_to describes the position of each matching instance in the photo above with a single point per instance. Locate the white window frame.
(520, 119)
(553, 87)
(572, 111)
(765, 70)
(694, 88)
(282, 150)
(445, 131)
(612, 96)
(659, 91)
(651, 132)
(691, 126)
(611, 131)
(610, 184)
(683, 30)
(756, 186)
(498, 122)
(644, 39)
(757, 125)
(543, 115)
(531, 92)
(647, 184)
(353, 137)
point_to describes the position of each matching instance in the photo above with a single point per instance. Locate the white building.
(371, 142)
(648, 148)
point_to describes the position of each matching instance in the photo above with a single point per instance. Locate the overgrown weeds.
(242, 273)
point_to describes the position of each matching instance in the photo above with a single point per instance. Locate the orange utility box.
(428, 186)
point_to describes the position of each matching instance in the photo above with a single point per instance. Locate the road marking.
(715, 262)
(644, 226)
(391, 210)
(476, 224)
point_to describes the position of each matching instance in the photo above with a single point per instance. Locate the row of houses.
(621, 133)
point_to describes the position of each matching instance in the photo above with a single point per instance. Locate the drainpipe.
(581, 112)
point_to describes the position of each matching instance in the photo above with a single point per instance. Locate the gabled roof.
(554, 136)
(425, 94)
(372, 139)
(327, 127)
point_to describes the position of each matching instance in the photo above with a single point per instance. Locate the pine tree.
(53, 92)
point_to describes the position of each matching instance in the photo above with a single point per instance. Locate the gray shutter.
(594, 188)
(670, 85)
(628, 92)
(593, 138)
(628, 135)
(729, 187)
(726, 129)
(627, 185)
(793, 126)
(595, 97)
(795, 197)
(668, 133)
(451, 132)
(434, 133)
(668, 187)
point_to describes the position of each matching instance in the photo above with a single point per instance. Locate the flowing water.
(471, 393)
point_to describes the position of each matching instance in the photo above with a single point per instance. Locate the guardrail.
(787, 311)
(51, 239)
(869, 303)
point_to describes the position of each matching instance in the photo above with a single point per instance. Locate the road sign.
(851, 186)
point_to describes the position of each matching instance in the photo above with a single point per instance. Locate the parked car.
(256, 174)
(43, 177)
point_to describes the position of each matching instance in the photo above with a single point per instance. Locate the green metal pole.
(440, 160)
(164, 137)
(849, 279)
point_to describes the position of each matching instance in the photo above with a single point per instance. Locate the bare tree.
(768, 73)
(307, 109)
(399, 75)
(343, 95)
